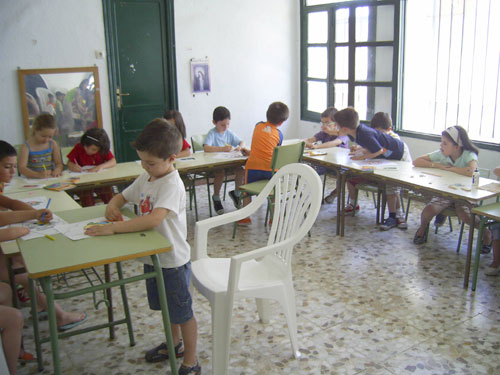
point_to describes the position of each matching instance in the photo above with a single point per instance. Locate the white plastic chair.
(3, 362)
(264, 273)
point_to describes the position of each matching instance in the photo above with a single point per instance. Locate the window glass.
(375, 24)
(316, 96)
(319, 2)
(317, 62)
(370, 100)
(317, 24)
(341, 62)
(374, 64)
(342, 25)
(341, 92)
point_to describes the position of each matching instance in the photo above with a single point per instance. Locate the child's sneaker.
(234, 198)
(218, 206)
(245, 221)
(390, 222)
(492, 271)
(401, 223)
(350, 208)
(160, 353)
(195, 370)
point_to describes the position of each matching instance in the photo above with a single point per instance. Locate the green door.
(141, 64)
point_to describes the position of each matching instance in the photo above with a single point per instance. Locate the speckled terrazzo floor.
(371, 303)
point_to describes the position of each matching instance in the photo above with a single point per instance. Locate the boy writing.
(221, 139)
(161, 196)
(374, 144)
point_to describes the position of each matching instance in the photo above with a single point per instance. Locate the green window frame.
(355, 61)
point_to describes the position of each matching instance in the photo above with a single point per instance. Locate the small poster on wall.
(200, 76)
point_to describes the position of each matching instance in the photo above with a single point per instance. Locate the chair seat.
(213, 274)
(254, 187)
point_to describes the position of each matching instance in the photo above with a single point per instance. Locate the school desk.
(45, 258)
(490, 212)
(428, 181)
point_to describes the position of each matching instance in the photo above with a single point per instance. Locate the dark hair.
(6, 150)
(277, 113)
(178, 121)
(220, 114)
(159, 138)
(96, 137)
(329, 112)
(381, 120)
(347, 118)
(43, 121)
(50, 95)
(464, 138)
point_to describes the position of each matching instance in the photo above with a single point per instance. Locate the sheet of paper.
(376, 163)
(38, 181)
(39, 230)
(227, 155)
(76, 231)
(85, 170)
(38, 203)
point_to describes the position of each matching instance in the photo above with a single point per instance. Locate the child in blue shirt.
(221, 139)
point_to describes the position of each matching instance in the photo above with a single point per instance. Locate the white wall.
(47, 34)
(253, 49)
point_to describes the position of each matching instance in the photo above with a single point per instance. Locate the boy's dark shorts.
(179, 300)
(257, 175)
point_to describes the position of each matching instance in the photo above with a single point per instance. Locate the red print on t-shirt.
(146, 206)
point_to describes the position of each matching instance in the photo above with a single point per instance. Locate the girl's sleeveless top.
(38, 159)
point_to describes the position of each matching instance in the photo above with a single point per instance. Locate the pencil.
(43, 215)
(50, 237)
(431, 174)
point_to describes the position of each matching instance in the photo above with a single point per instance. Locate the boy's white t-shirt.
(167, 192)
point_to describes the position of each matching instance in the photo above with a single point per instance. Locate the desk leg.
(341, 210)
(54, 337)
(109, 297)
(479, 245)
(125, 305)
(164, 313)
(469, 251)
(36, 325)
(12, 282)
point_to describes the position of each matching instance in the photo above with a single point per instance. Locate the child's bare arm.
(137, 224)
(369, 155)
(496, 171)
(424, 161)
(109, 164)
(56, 156)
(12, 217)
(113, 208)
(14, 204)
(467, 171)
(226, 148)
(9, 234)
(334, 143)
(184, 153)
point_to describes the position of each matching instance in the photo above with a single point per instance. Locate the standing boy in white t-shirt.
(161, 197)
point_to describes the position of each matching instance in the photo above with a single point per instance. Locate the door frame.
(169, 64)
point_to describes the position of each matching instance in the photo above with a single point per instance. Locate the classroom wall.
(253, 49)
(252, 46)
(47, 34)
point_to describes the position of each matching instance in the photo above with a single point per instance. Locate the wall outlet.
(99, 55)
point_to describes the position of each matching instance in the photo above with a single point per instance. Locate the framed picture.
(200, 76)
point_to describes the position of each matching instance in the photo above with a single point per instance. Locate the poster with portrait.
(200, 76)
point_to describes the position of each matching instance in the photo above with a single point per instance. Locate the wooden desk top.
(429, 179)
(45, 257)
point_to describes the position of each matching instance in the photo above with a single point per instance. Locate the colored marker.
(50, 237)
(43, 215)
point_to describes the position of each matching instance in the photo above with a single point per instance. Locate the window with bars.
(451, 67)
(349, 56)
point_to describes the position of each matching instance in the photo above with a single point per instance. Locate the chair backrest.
(64, 154)
(287, 154)
(484, 172)
(197, 142)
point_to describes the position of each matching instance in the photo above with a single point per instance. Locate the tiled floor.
(371, 303)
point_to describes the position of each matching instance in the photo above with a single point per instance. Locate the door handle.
(119, 95)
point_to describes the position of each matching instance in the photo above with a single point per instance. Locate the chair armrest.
(203, 226)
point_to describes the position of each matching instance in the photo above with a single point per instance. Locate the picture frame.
(200, 76)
